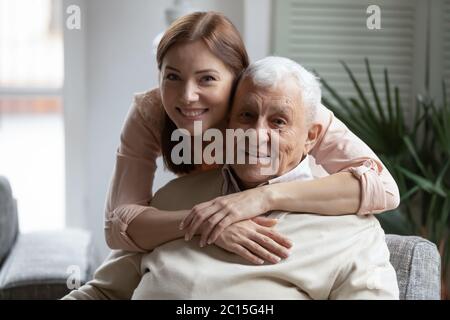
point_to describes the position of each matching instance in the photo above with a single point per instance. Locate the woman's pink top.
(130, 191)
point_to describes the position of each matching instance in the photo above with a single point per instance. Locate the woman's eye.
(208, 79)
(172, 77)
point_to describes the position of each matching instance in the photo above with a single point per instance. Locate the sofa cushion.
(8, 219)
(41, 264)
(417, 264)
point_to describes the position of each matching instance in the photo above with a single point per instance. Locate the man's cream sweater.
(333, 257)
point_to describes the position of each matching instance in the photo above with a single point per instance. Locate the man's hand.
(216, 215)
(255, 240)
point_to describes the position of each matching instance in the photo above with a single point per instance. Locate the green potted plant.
(417, 153)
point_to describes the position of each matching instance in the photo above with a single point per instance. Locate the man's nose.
(262, 131)
(190, 93)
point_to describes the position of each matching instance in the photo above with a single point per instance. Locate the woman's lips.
(192, 114)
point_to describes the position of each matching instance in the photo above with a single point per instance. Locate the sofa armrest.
(9, 227)
(417, 263)
(40, 263)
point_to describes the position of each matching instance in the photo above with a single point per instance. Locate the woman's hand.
(221, 212)
(255, 240)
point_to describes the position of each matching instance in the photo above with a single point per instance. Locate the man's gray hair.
(270, 71)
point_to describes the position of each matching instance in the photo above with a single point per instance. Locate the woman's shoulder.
(149, 106)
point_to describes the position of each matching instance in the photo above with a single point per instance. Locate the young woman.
(199, 58)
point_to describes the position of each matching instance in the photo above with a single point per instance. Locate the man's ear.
(313, 135)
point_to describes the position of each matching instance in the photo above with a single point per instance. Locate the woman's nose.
(190, 93)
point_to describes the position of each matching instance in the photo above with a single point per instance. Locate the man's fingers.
(279, 238)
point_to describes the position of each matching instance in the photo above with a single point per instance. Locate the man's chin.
(251, 175)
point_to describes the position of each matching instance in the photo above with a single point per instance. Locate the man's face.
(280, 111)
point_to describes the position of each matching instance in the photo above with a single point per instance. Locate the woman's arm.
(254, 240)
(340, 150)
(130, 190)
(154, 227)
(336, 194)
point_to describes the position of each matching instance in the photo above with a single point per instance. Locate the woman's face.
(195, 86)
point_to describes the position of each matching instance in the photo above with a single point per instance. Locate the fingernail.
(181, 226)
(209, 241)
(277, 259)
(201, 244)
(186, 237)
(260, 261)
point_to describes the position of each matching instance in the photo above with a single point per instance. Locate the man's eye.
(172, 77)
(279, 122)
(246, 114)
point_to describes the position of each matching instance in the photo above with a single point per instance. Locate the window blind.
(320, 33)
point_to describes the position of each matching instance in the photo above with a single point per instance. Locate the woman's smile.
(192, 113)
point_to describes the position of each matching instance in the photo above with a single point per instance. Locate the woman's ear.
(313, 135)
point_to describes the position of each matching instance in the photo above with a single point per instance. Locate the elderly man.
(333, 257)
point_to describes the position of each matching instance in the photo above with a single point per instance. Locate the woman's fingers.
(259, 250)
(209, 226)
(264, 221)
(246, 254)
(188, 219)
(279, 238)
(219, 227)
(200, 215)
(270, 245)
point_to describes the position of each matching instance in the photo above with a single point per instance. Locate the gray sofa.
(40, 265)
(35, 265)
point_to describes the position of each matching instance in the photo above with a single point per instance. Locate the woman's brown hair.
(224, 41)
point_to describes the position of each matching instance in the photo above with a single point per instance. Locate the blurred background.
(64, 93)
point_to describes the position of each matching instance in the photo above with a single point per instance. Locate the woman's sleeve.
(339, 150)
(130, 189)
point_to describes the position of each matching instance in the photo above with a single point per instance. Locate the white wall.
(258, 28)
(108, 60)
(75, 119)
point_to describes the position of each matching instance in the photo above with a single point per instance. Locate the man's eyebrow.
(248, 104)
(287, 110)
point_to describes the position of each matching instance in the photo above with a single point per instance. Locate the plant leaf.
(374, 92)
(423, 183)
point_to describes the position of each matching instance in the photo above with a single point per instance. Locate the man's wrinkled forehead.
(251, 96)
(259, 98)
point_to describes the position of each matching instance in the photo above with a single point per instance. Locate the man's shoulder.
(186, 191)
(194, 178)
